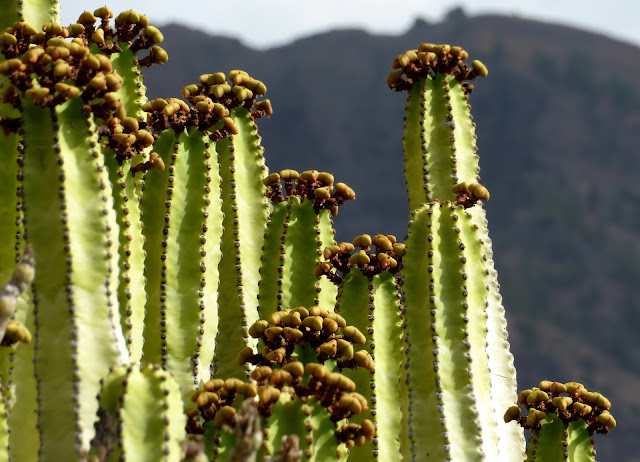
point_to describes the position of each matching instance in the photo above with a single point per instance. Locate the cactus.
(140, 416)
(188, 305)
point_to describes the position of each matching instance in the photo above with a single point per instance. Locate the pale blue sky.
(266, 23)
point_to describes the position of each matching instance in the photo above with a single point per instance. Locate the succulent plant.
(189, 305)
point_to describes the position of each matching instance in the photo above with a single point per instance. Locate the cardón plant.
(167, 298)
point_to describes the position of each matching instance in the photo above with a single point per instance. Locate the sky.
(270, 23)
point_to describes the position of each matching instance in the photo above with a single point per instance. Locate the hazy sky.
(266, 23)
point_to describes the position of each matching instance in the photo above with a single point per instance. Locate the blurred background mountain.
(558, 125)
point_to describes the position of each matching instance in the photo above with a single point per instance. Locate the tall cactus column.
(71, 226)
(120, 48)
(299, 229)
(246, 211)
(453, 319)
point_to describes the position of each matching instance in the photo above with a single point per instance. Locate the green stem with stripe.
(245, 211)
(69, 226)
(182, 224)
(296, 235)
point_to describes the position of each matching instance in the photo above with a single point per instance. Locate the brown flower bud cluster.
(210, 103)
(468, 194)
(130, 28)
(569, 401)
(310, 184)
(339, 259)
(430, 59)
(49, 69)
(353, 434)
(335, 392)
(325, 332)
(214, 402)
(240, 90)
(42, 72)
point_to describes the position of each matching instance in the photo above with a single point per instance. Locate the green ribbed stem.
(153, 215)
(132, 92)
(71, 225)
(217, 442)
(8, 17)
(445, 299)
(246, 212)
(439, 141)
(288, 418)
(141, 416)
(325, 445)
(11, 242)
(294, 240)
(23, 417)
(373, 307)
(310, 422)
(580, 443)
(131, 295)
(511, 441)
(183, 320)
(557, 442)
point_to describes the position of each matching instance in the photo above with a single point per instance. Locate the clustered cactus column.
(188, 305)
(459, 372)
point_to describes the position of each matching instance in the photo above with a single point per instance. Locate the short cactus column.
(366, 272)
(141, 417)
(299, 228)
(562, 418)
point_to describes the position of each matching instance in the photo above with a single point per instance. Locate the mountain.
(558, 125)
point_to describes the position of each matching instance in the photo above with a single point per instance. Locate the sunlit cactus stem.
(299, 228)
(119, 49)
(182, 225)
(34, 12)
(245, 209)
(454, 318)
(71, 226)
(91, 347)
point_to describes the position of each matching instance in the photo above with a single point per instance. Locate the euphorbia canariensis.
(167, 298)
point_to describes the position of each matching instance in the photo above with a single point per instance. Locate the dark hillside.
(558, 128)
